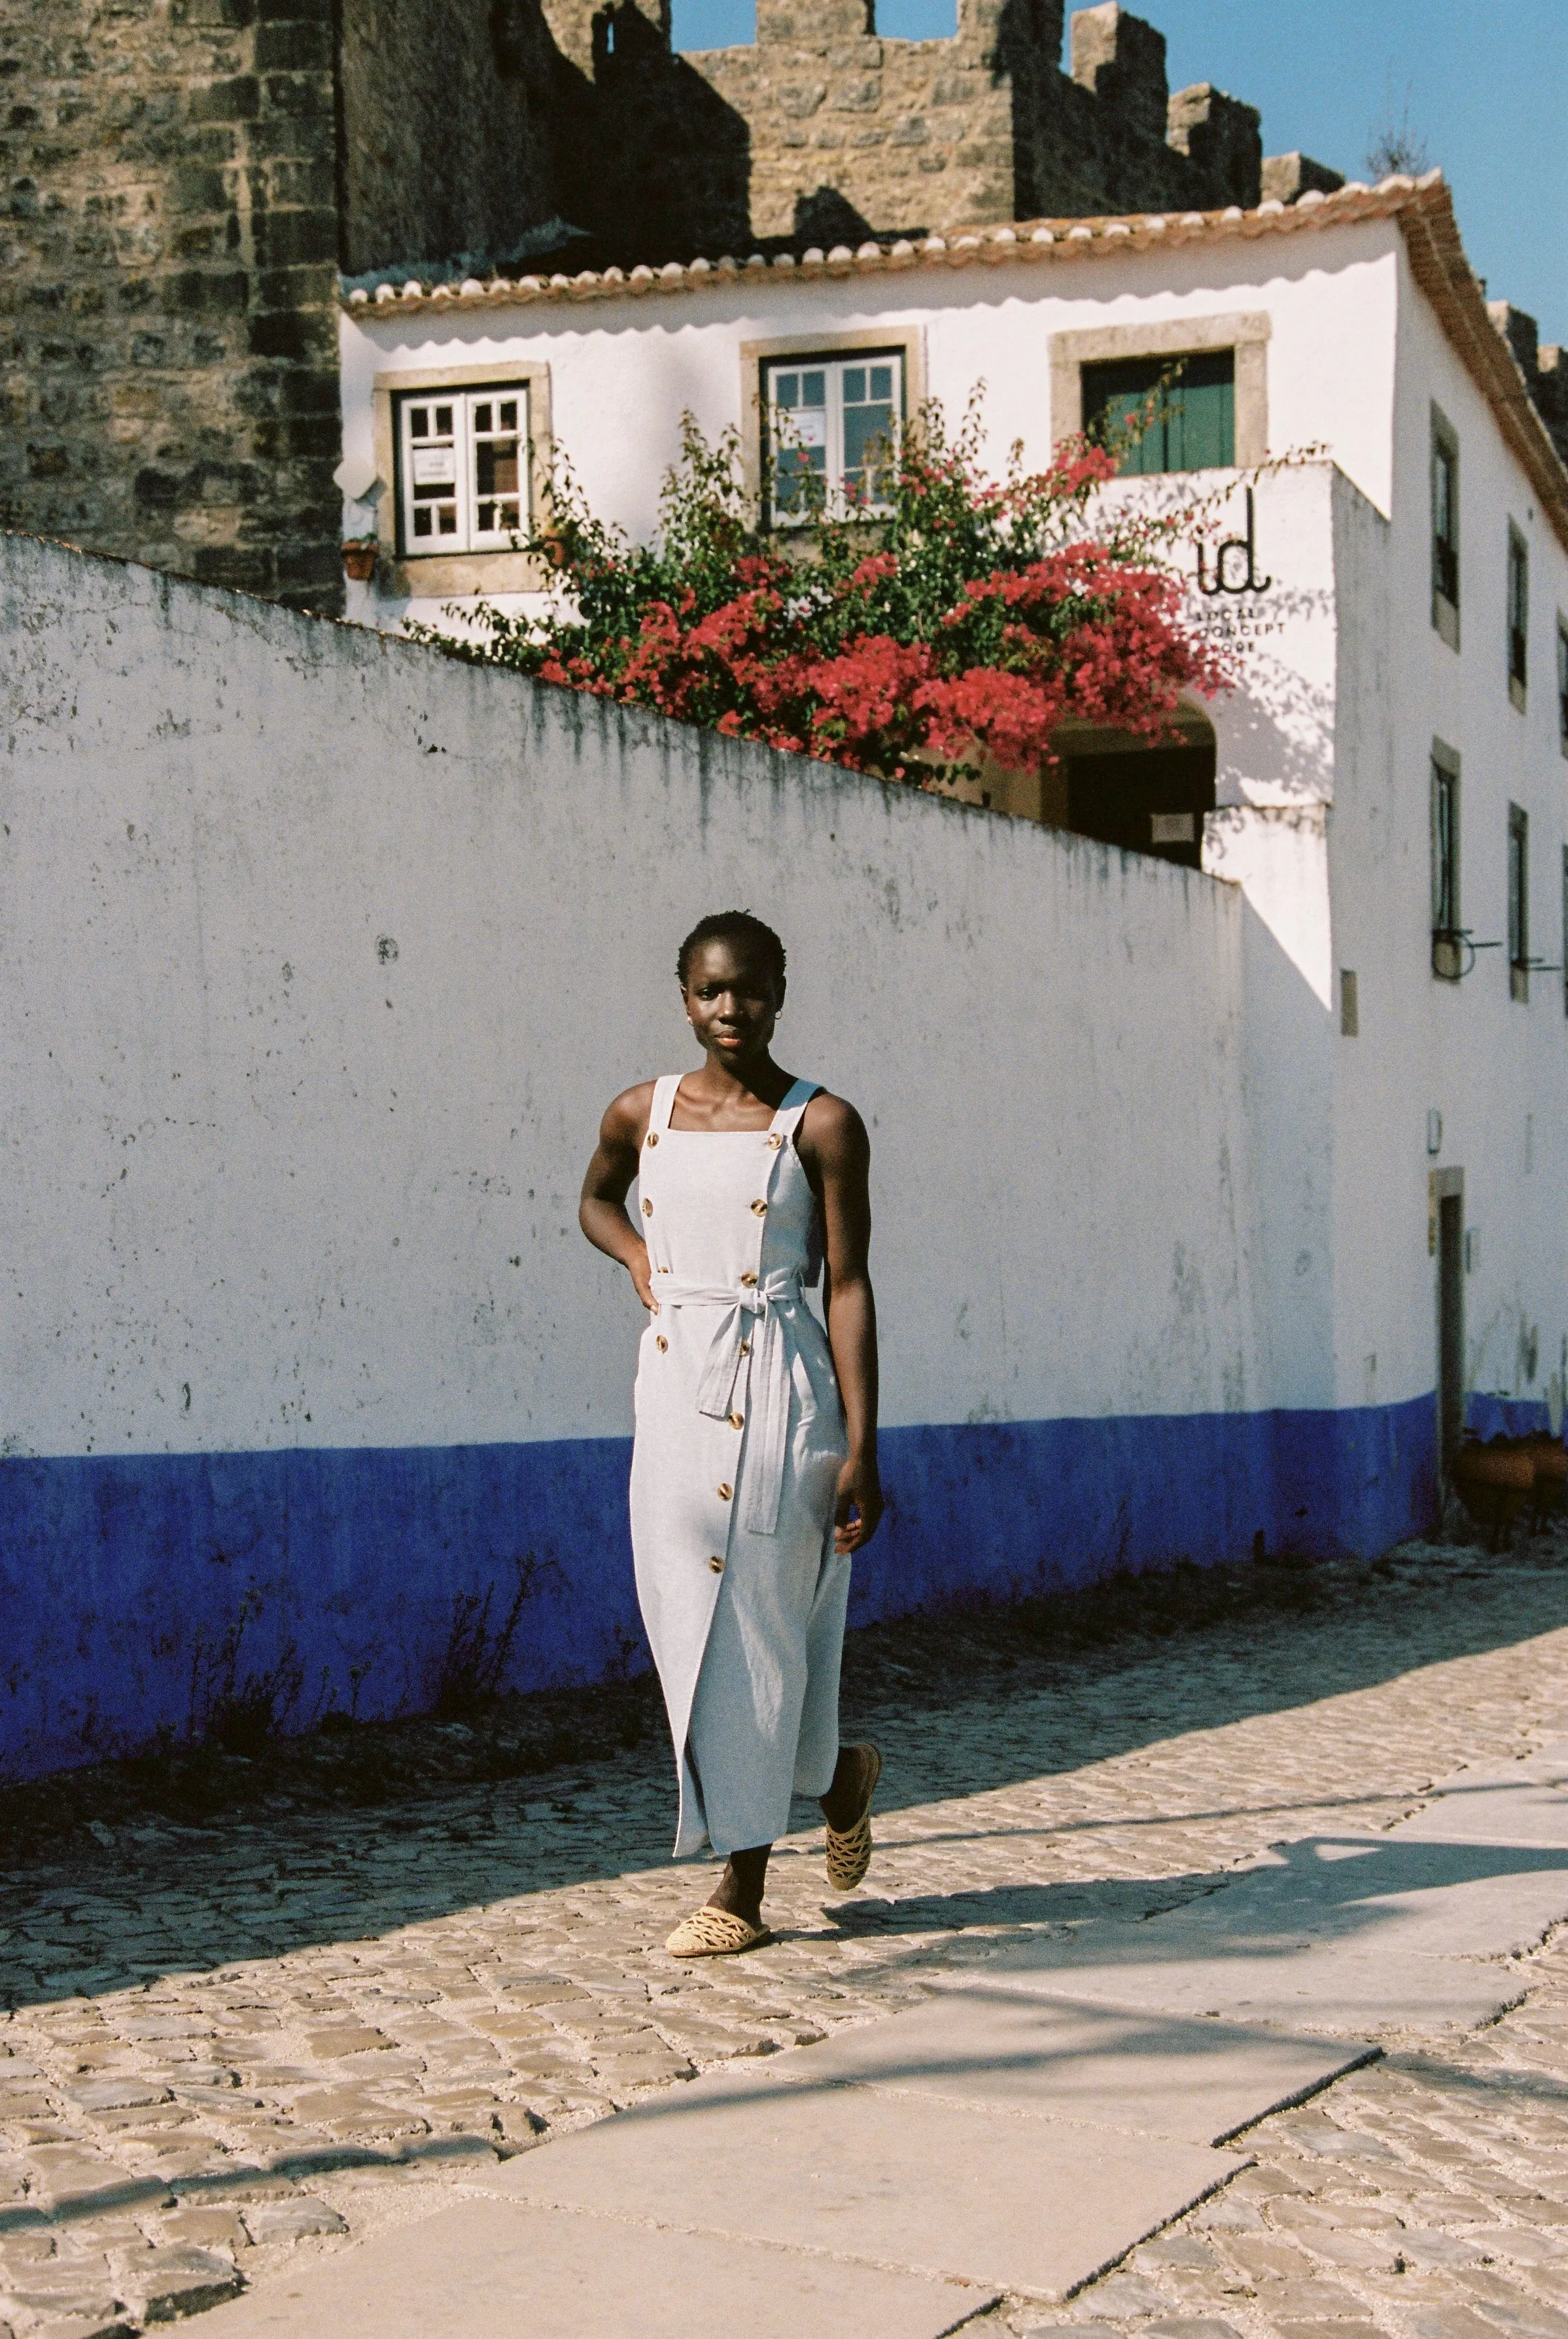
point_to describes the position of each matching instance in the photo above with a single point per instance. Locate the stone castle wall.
(845, 133)
(168, 350)
(448, 143)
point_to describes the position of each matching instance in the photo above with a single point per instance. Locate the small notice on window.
(802, 426)
(435, 467)
(1171, 828)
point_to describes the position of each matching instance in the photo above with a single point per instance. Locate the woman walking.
(753, 1474)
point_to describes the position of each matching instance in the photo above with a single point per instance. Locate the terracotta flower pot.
(359, 561)
(1494, 1482)
(1550, 1457)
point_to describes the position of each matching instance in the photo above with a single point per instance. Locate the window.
(1193, 403)
(462, 469)
(1444, 529)
(1447, 945)
(832, 433)
(1518, 615)
(1518, 903)
(1562, 685)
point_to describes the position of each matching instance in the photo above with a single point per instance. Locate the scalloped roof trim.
(1022, 241)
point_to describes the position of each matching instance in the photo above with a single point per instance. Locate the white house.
(1389, 785)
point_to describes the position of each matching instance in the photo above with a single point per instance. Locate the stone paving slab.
(1031, 2205)
(1415, 1929)
(1198, 2082)
(506, 2270)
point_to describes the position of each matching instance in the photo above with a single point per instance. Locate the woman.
(754, 1474)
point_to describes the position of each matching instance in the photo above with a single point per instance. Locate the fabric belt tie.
(769, 1310)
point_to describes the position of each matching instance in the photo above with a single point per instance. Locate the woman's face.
(733, 1000)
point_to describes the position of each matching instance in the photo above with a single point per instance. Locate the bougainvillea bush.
(965, 616)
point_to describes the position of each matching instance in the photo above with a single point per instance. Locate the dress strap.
(663, 1102)
(797, 1098)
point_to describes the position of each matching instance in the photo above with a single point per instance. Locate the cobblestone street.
(231, 2044)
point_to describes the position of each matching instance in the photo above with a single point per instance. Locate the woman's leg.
(846, 1798)
(740, 1887)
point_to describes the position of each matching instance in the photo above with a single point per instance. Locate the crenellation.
(1223, 138)
(1120, 61)
(1286, 178)
(1544, 376)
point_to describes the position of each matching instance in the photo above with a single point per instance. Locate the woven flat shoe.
(849, 1852)
(714, 1933)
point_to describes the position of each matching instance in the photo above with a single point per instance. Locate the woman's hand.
(642, 1276)
(858, 1506)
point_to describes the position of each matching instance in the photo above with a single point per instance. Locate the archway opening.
(1115, 786)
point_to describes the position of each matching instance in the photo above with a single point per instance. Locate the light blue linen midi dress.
(739, 1443)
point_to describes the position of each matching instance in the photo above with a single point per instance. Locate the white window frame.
(441, 574)
(756, 358)
(466, 408)
(833, 365)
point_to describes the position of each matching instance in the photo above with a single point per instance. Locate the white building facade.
(1389, 781)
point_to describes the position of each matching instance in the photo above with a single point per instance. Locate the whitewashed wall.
(333, 1191)
(321, 956)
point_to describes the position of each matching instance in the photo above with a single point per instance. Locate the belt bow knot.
(769, 1309)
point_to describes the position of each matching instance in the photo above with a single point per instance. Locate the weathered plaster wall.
(319, 957)
(168, 380)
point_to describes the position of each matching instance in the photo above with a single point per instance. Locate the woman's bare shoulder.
(626, 1120)
(832, 1131)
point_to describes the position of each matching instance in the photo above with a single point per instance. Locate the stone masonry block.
(239, 100)
(289, 238)
(294, 47)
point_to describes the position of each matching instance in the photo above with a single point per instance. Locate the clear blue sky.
(1484, 83)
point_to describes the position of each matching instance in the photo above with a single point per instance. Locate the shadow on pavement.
(963, 1704)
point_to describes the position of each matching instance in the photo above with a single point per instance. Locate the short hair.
(733, 926)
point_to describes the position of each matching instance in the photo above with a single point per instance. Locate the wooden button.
(647, 1210)
(774, 1142)
(759, 1209)
(663, 1270)
(725, 1492)
(653, 1136)
(745, 1348)
(749, 1278)
(662, 1343)
(737, 1421)
(718, 1565)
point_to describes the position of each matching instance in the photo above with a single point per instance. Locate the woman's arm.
(602, 1212)
(837, 1154)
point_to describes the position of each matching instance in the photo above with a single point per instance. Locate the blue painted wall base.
(135, 1590)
